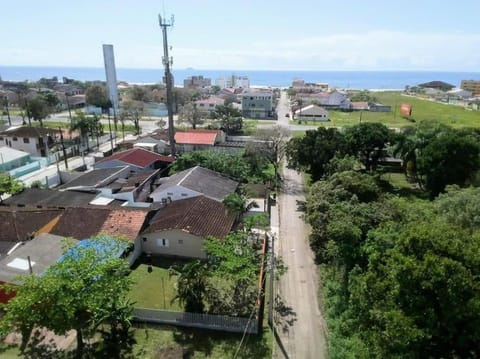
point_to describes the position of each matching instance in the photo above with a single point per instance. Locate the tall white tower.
(111, 75)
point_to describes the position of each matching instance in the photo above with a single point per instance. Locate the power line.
(249, 320)
(167, 61)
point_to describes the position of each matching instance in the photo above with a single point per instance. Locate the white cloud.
(378, 50)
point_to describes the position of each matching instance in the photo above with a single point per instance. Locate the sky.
(245, 35)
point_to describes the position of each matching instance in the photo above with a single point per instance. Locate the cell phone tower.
(167, 62)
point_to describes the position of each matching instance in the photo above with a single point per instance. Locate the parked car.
(287, 115)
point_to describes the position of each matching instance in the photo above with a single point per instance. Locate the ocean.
(381, 80)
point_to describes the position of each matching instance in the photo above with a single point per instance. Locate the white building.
(233, 81)
(34, 140)
(311, 113)
(111, 74)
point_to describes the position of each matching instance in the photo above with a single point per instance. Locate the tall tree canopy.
(312, 152)
(189, 114)
(84, 290)
(368, 141)
(96, 95)
(436, 156)
(229, 119)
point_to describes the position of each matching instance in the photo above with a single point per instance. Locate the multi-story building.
(233, 81)
(195, 82)
(257, 104)
(471, 85)
(33, 140)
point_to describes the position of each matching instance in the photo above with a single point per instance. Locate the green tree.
(189, 114)
(85, 125)
(133, 111)
(460, 207)
(364, 95)
(37, 109)
(229, 164)
(9, 185)
(269, 148)
(138, 93)
(368, 141)
(234, 264)
(341, 210)
(77, 292)
(96, 95)
(419, 297)
(191, 285)
(312, 152)
(229, 119)
(51, 99)
(448, 159)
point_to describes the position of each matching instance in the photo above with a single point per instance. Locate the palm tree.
(84, 125)
(237, 205)
(191, 285)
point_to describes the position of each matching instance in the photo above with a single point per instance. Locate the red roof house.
(138, 158)
(198, 139)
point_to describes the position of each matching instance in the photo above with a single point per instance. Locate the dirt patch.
(45, 338)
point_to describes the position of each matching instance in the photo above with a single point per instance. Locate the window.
(162, 242)
(14, 138)
(169, 193)
(1, 138)
(26, 140)
(180, 241)
(184, 194)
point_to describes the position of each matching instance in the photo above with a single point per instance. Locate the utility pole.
(63, 148)
(167, 61)
(69, 110)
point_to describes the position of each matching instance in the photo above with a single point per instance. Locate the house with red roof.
(139, 159)
(180, 228)
(87, 222)
(195, 140)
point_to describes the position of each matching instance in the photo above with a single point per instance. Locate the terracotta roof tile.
(200, 216)
(138, 157)
(197, 137)
(17, 223)
(83, 223)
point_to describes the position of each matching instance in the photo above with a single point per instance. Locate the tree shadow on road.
(286, 315)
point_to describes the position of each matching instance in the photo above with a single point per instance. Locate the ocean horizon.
(380, 80)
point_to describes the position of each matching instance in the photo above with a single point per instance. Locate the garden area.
(153, 286)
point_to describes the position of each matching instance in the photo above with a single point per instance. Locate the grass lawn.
(9, 351)
(196, 343)
(422, 110)
(156, 289)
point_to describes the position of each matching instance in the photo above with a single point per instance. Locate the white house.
(181, 227)
(34, 140)
(194, 182)
(311, 113)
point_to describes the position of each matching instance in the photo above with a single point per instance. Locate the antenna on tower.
(167, 62)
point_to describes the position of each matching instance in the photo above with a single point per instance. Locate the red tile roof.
(83, 223)
(138, 157)
(17, 223)
(197, 137)
(200, 216)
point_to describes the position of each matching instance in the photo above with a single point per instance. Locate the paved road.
(146, 125)
(300, 324)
